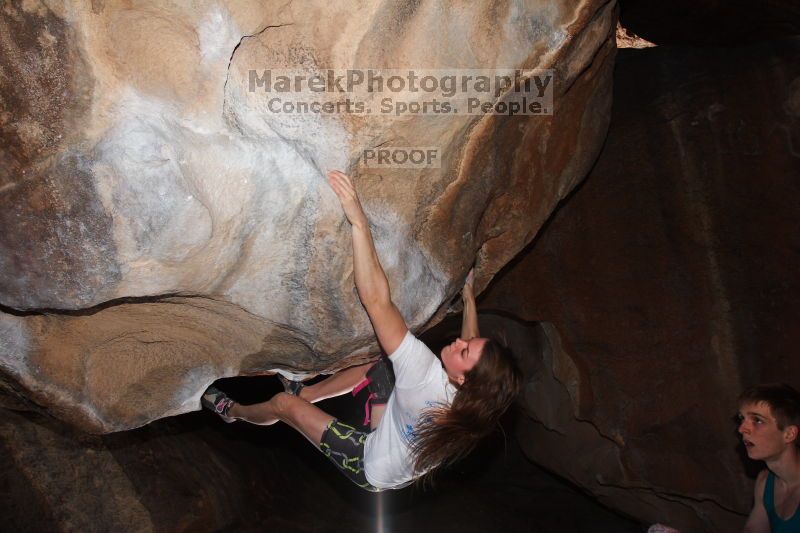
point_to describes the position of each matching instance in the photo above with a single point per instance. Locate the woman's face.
(460, 356)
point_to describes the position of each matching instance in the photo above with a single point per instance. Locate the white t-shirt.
(420, 383)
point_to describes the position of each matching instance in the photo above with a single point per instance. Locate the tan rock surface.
(137, 164)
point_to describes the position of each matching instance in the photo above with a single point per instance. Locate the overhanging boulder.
(163, 227)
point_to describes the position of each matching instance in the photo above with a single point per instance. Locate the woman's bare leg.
(375, 415)
(306, 418)
(340, 383)
(298, 412)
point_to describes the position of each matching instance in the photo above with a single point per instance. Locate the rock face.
(176, 229)
(667, 283)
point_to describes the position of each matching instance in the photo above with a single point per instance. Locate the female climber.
(435, 412)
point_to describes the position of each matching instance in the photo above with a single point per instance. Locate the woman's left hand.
(468, 292)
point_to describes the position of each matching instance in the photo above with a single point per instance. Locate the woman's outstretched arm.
(469, 322)
(371, 282)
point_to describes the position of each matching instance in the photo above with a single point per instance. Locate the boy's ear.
(790, 433)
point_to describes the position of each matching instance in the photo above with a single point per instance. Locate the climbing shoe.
(215, 400)
(292, 387)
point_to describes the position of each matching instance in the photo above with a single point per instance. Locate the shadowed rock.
(667, 283)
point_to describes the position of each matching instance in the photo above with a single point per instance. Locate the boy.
(769, 418)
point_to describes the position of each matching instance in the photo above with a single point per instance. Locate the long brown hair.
(444, 434)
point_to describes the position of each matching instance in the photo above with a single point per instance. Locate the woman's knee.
(282, 404)
(289, 407)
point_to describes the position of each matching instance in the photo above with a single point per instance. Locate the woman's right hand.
(342, 185)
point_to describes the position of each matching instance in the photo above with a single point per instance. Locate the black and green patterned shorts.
(344, 446)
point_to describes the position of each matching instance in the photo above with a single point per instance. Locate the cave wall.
(668, 282)
(174, 475)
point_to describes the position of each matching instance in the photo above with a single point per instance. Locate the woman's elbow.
(375, 298)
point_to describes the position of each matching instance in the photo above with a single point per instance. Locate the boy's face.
(760, 434)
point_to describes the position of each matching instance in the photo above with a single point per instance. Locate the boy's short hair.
(783, 401)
